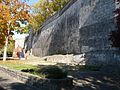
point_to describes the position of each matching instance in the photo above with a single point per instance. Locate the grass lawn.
(16, 64)
(20, 65)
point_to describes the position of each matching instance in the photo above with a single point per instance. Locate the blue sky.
(31, 2)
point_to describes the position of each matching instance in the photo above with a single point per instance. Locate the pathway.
(8, 83)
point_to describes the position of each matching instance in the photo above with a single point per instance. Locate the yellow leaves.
(14, 10)
(44, 9)
(2, 39)
(10, 12)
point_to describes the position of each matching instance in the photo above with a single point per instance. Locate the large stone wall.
(82, 27)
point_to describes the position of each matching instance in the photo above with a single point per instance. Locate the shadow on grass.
(9, 58)
(93, 77)
(87, 78)
(106, 78)
(96, 81)
(21, 86)
(8, 85)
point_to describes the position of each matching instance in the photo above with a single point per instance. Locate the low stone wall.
(40, 83)
(66, 59)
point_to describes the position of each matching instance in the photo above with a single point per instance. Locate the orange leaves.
(0, 6)
(12, 11)
(2, 39)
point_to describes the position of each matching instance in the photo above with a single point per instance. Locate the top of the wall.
(59, 13)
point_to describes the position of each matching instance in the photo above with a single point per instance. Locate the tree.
(44, 9)
(11, 44)
(11, 13)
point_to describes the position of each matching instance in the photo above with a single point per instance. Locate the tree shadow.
(21, 86)
(6, 84)
(102, 78)
(106, 78)
(2, 88)
(1, 79)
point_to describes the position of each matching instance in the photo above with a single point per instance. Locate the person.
(27, 54)
(15, 54)
(22, 54)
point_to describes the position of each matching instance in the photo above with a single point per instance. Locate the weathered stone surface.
(82, 27)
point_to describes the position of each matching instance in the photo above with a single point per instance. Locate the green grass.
(16, 64)
(20, 65)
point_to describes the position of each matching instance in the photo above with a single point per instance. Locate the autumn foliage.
(11, 13)
(44, 9)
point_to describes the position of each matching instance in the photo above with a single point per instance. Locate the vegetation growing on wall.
(44, 9)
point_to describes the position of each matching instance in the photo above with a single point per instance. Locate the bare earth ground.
(96, 81)
(105, 79)
(9, 83)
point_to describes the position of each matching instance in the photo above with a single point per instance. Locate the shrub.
(89, 68)
(52, 72)
(28, 70)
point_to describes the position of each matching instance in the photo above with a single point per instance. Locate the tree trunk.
(5, 49)
(6, 43)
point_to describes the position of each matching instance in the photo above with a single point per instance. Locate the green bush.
(28, 70)
(52, 72)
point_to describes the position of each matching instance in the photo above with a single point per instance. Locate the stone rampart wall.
(82, 27)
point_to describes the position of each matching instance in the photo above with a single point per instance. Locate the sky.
(31, 2)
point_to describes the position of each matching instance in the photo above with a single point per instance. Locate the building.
(19, 40)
